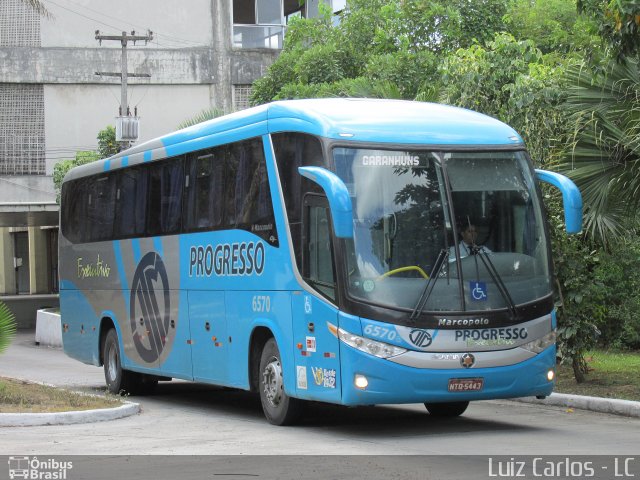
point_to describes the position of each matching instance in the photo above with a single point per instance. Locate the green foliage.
(61, 168)
(553, 25)
(203, 116)
(7, 327)
(618, 24)
(512, 81)
(621, 326)
(603, 103)
(384, 41)
(107, 145)
(580, 304)
(319, 64)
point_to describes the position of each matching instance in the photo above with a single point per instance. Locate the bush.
(621, 326)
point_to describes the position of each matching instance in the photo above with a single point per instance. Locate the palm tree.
(7, 327)
(38, 6)
(604, 107)
(203, 116)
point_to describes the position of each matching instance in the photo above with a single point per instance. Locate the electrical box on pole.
(127, 125)
(127, 128)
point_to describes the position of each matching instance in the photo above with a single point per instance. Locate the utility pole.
(127, 126)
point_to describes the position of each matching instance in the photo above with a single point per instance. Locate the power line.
(168, 37)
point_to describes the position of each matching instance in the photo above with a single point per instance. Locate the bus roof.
(347, 119)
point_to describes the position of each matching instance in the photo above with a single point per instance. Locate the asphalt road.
(192, 419)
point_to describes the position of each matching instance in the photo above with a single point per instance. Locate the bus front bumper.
(389, 382)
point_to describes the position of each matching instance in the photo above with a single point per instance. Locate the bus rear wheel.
(449, 409)
(278, 407)
(120, 381)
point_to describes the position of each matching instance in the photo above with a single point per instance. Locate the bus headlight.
(372, 347)
(540, 344)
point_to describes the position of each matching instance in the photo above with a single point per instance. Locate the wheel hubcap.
(112, 363)
(272, 382)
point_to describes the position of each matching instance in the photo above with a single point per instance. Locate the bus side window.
(74, 204)
(249, 197)
(165, 198)
(131, 200)
(318, 261)
(295, 150)
(100, 208)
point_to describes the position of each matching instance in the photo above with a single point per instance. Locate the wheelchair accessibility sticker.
(478, 291)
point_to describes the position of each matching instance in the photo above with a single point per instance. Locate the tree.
(203, 116)
(379, 42)
(107, 147)
(555, 26)
(107, 144)
(618, 24)
(39, 7)
(603, 104)
(512, 81)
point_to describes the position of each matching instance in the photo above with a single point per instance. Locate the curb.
(626, 408)
(68, 418)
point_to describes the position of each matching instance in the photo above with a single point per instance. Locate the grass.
(17, 396)
(611, 374)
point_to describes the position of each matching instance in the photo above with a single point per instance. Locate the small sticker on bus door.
(302, 377)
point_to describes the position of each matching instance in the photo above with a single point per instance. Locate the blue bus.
(315, 250)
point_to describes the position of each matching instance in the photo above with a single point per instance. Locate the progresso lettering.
(492, 334)
(235, 259)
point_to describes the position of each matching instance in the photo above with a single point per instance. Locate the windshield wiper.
(428, 288)
(497, 279)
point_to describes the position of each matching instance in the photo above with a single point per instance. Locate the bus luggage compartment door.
(209, 342)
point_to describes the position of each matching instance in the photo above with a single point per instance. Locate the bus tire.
(120, 381)
(278, 407)
(449, 409)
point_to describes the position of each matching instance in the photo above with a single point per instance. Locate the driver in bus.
(468, 244)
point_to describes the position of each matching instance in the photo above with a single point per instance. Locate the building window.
(19, 24)
(241, 96)
(22, 145)
(262, 23)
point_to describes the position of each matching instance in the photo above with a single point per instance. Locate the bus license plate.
(466, 384)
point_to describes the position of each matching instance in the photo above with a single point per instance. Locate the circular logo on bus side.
(420, 338)
(149, 311)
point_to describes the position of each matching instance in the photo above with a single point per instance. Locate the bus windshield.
(478, 211)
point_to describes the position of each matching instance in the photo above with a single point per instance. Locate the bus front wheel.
(450, 409)
(120, 381)
(278, 407)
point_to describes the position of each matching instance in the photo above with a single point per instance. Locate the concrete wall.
(74, 114)
(26, 188)
(175, 23)
(25, 307)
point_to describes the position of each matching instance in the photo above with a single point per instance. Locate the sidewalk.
(613, 406)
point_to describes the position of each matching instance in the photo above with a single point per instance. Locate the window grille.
(19, 24)
(241, 96)
(22, 148)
